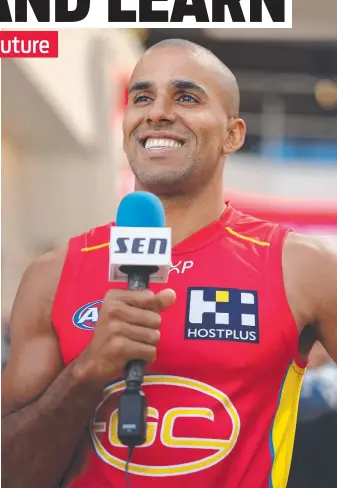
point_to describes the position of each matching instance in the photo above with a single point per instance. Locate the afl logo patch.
(86, 317)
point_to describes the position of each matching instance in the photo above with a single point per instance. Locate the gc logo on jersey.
(85, 317)
(226, 314)
(192, 426)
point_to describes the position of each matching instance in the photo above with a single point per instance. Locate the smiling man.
(175, 150)
(226, 342)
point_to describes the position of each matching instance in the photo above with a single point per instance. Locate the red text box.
(28, 44)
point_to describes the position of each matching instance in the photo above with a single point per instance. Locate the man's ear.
(236, 133)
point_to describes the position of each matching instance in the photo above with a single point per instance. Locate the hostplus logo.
(222, 314)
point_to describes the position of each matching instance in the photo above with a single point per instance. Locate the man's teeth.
(160, 143)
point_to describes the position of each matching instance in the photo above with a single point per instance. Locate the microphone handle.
(138, 279)
(138, 276)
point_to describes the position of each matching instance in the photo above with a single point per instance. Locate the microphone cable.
(127, 474)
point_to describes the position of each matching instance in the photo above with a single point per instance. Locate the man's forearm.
(39, 441)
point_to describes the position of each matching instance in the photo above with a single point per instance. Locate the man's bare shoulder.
(49, 260)
(312, 256)
(39, 284)
(310, 276)
(315, 246)
(48, 266)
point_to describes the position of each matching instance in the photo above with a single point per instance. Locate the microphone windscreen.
(140, 209)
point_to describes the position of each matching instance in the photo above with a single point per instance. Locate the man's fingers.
(143, 298)
(159, 302)
(165, 298)
(136, 298)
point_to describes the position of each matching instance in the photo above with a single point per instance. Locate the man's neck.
(187, 214)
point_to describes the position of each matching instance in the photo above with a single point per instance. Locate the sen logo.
(191, 426)
(86, 317)
(141, 245)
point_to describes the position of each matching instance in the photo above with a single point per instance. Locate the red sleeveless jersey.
(224, 389)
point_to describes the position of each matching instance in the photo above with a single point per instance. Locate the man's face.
(175, 125)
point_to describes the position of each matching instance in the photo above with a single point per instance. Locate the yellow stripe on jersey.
(246, 238)
(282, 433)
(93, 248)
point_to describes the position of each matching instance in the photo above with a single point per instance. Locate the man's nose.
(161, 111)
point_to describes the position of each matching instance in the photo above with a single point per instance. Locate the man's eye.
(186, 98)
(140, 99)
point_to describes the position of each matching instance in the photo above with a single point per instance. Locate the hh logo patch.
(224, 314)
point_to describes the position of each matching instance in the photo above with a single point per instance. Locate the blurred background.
(64, 170)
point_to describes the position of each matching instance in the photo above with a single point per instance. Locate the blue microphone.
(140, 242)
(136, 248)
(140, 209)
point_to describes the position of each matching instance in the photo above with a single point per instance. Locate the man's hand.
(127, 329)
